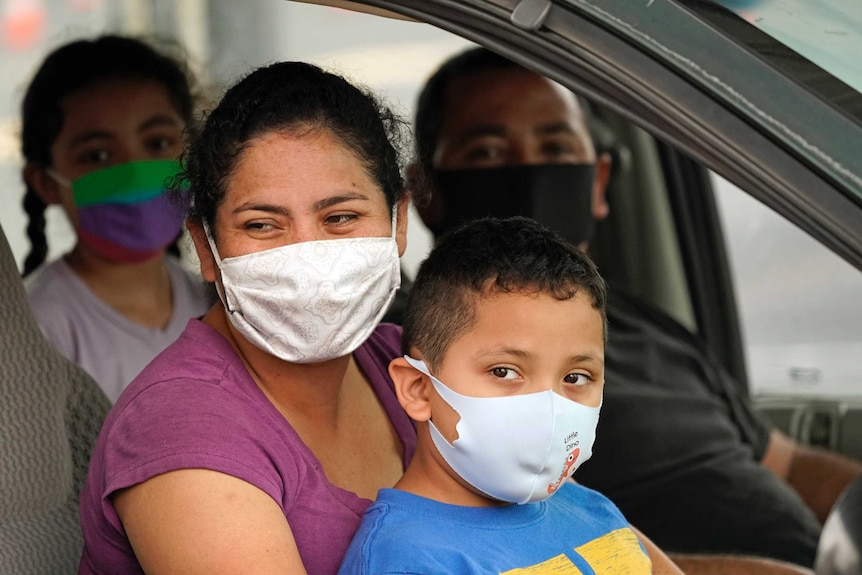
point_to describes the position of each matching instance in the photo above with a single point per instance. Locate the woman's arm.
(202, 521)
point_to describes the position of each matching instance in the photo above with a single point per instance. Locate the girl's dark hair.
(289, 97)
(75, 66)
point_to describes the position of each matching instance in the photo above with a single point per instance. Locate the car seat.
(839, 551)
(51, 412)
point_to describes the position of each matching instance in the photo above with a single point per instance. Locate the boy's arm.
(661, 563)
(714, 564)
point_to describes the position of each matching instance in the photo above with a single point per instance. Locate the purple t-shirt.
(196, 406)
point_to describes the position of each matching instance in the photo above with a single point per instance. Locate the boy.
(503, 373)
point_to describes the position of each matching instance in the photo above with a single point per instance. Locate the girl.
(103, 121)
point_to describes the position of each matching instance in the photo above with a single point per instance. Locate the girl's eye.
(578, 379)
(95, 157)
(161, 144)
(504, 372)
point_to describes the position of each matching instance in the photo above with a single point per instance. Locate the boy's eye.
(504, 372)
(577, 379)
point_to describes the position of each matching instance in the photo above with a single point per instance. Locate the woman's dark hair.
(73, 67)
(289, 97)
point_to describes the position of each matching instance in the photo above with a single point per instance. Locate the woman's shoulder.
(386, 337)
(194, 405)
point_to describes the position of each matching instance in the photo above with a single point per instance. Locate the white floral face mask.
(310, 301)
(518, 448)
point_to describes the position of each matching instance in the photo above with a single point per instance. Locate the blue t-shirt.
(578, 530)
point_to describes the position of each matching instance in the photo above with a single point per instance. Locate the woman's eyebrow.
(339, 199)
(262, 207)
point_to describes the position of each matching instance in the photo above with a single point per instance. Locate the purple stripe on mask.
(144, 226)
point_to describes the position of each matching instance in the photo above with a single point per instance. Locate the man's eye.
(485, 154)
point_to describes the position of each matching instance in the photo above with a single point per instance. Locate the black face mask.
(558, 196)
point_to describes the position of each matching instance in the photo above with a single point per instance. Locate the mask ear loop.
(394, 219)
(54, 175)
(218, 261)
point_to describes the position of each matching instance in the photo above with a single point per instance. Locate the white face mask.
(519, 448)
(310, 301)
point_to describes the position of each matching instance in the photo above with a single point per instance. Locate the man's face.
(509, 118)
(514, 143)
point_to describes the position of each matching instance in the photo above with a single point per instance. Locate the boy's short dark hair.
(486, 256)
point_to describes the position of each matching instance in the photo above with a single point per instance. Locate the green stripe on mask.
(125, 183)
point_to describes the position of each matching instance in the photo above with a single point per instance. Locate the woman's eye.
(578, 379)
(257, 226)
(504, 372)
(340, 219)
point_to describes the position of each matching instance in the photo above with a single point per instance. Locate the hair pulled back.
(292, 97)
(73, 67)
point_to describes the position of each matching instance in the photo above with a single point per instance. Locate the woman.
(102, 127)
(257, 440)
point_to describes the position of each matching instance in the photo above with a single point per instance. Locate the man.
(691, 464)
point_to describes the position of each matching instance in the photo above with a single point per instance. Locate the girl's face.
(110, 123)
(288, 188)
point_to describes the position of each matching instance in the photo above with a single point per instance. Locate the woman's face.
(109, 123)
(288, 188)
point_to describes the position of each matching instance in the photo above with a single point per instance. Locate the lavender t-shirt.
(196, 406)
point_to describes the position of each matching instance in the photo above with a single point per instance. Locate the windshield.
(828, 33)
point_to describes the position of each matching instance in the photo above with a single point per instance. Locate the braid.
(35, 209)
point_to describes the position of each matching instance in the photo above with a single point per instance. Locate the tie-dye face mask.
(124, 213)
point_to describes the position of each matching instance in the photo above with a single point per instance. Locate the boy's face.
(523, 343)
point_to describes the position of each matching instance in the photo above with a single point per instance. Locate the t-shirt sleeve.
(183, 424)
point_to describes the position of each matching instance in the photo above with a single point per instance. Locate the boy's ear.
(411, 387)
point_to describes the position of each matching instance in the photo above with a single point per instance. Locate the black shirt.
(678, 449)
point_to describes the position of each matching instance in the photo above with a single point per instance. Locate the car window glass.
(799, 303)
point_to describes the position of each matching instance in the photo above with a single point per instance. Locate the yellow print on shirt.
(559, 565)
(615, 553)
